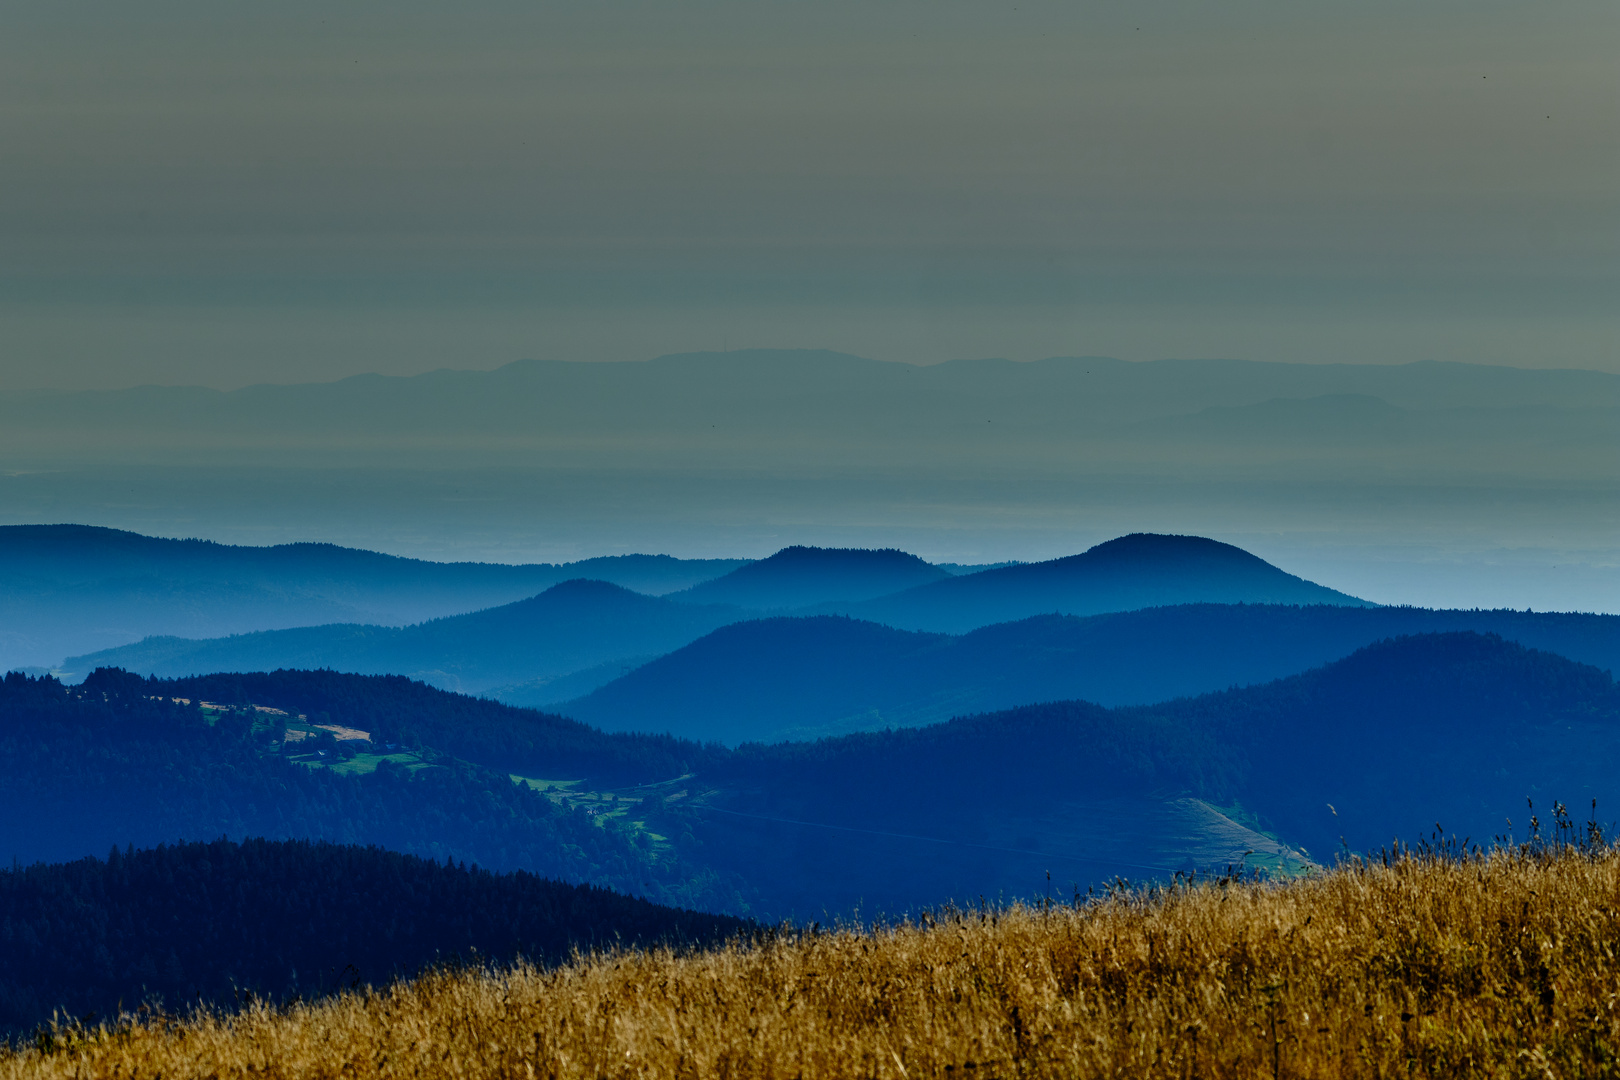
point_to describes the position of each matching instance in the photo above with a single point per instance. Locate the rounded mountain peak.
(1163, 548)
(800, 576)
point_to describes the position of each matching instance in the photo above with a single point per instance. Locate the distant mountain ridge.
(778, 409)
(778, 679)
(750, 387)
(725, 442)
(572, 626)
(801, 576)
(70, 589)
(580, 635)
(1136, 571)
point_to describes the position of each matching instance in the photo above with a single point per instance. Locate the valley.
(804, 766)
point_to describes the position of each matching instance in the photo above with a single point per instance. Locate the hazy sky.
(226, 193)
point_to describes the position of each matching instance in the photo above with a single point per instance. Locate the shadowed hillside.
(1451, 728)
(1136, 571)
(228, 923)
(776, 679)
(801, 576)
(318, 755)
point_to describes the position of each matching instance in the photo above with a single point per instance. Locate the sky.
(225, 194)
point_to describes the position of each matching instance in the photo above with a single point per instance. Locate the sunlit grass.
(1499, 965)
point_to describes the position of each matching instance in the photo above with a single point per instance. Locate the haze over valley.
(1440, 484)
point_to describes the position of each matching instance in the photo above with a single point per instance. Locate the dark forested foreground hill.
(69, 589)
(1454, 728)
(574, 627)
(225, 922)
(785, 678)
(1137, 571)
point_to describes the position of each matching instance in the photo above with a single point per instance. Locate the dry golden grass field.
(1500, 965)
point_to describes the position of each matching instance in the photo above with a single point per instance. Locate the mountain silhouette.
(524, 653)
(541, 445)
(1136, 571)
(782, 678)
(572, 626)
(70, 589)
(801, 576)
(795, 678)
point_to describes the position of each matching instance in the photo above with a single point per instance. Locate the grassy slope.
(1499, 966)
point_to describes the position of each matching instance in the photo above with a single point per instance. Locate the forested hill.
(122, 760)
(222, 922)
(395, 709)
(1452, 728)
(774, 679)
(1458, 694)
(1455, 728)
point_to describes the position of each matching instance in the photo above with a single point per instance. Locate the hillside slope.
(570, 627)
(785, 678)
(1451, 728)
(775, 679)
(1137, 571)
(228, 922)
(121, 761)
(72, 589)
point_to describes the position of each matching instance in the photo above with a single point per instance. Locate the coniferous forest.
(225, 922)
